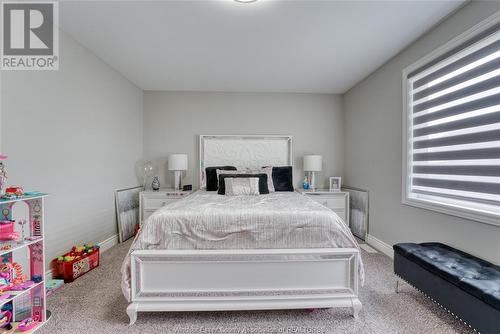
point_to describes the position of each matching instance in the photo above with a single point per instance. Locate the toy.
(22, 286)
(22, 222)
(27, 324)
(7, 230)
(3, 175)
(5, 277)
(36, 278)
(19, 278)
(76, 262)
(5, 319)
(14, 191)
(12, 278)
(52, 285)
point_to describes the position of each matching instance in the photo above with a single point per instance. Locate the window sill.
(454, 210)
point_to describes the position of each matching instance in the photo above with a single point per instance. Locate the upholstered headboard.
(244, 151)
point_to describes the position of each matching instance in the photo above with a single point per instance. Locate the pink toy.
(27, 324)
(12, 278)
(3, 157)
(5, 319)
(19, 278)
(7, 230)
(22, 286)
(6, 273)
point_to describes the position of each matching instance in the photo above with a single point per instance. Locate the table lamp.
(178, 163)
(312, 164)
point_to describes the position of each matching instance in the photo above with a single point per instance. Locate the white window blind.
(452, 128)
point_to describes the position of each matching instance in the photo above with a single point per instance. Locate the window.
(451, 127)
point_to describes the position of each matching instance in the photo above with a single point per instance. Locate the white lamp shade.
(313, 163)
(177, 162)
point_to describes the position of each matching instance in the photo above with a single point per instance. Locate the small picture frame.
(335, 183)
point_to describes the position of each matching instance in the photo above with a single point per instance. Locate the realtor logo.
(30, 35)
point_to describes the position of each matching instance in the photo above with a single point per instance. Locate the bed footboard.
(254, 279)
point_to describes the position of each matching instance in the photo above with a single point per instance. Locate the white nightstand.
(150, 201)
(337, 201)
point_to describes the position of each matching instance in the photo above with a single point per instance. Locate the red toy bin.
(81, 264)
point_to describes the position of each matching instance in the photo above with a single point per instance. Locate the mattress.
(206, 220)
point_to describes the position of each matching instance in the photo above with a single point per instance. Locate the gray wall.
(173, 121)
(373, 111)
(75, 133)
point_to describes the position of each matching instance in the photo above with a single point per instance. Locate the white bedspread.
(205, 220)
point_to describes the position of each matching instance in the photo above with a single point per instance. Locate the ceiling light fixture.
(245, 1)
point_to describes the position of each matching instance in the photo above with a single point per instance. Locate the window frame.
(428, 204)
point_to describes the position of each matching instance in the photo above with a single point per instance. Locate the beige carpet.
(94, 304)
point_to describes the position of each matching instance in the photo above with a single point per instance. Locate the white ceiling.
(265, 46)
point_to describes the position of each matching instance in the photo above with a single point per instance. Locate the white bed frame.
(243, 279)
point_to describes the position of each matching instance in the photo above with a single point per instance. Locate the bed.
(209, 252)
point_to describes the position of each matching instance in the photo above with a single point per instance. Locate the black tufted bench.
(464, 284)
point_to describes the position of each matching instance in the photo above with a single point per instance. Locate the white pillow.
(264, 170)
(241, 186)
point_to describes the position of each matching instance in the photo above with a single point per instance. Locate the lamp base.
(312, 180)
(177, 180)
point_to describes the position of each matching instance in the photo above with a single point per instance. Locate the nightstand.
(337, 201)
(150, 201)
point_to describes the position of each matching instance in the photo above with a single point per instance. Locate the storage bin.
(83, 261)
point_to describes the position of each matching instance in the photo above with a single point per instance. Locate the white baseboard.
(108, 243)
(380, 245)
(104, 246)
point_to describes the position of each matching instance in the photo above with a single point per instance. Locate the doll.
(3, 179)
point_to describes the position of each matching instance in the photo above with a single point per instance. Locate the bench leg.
(397, 286)
(132, 313)
(356, 307)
